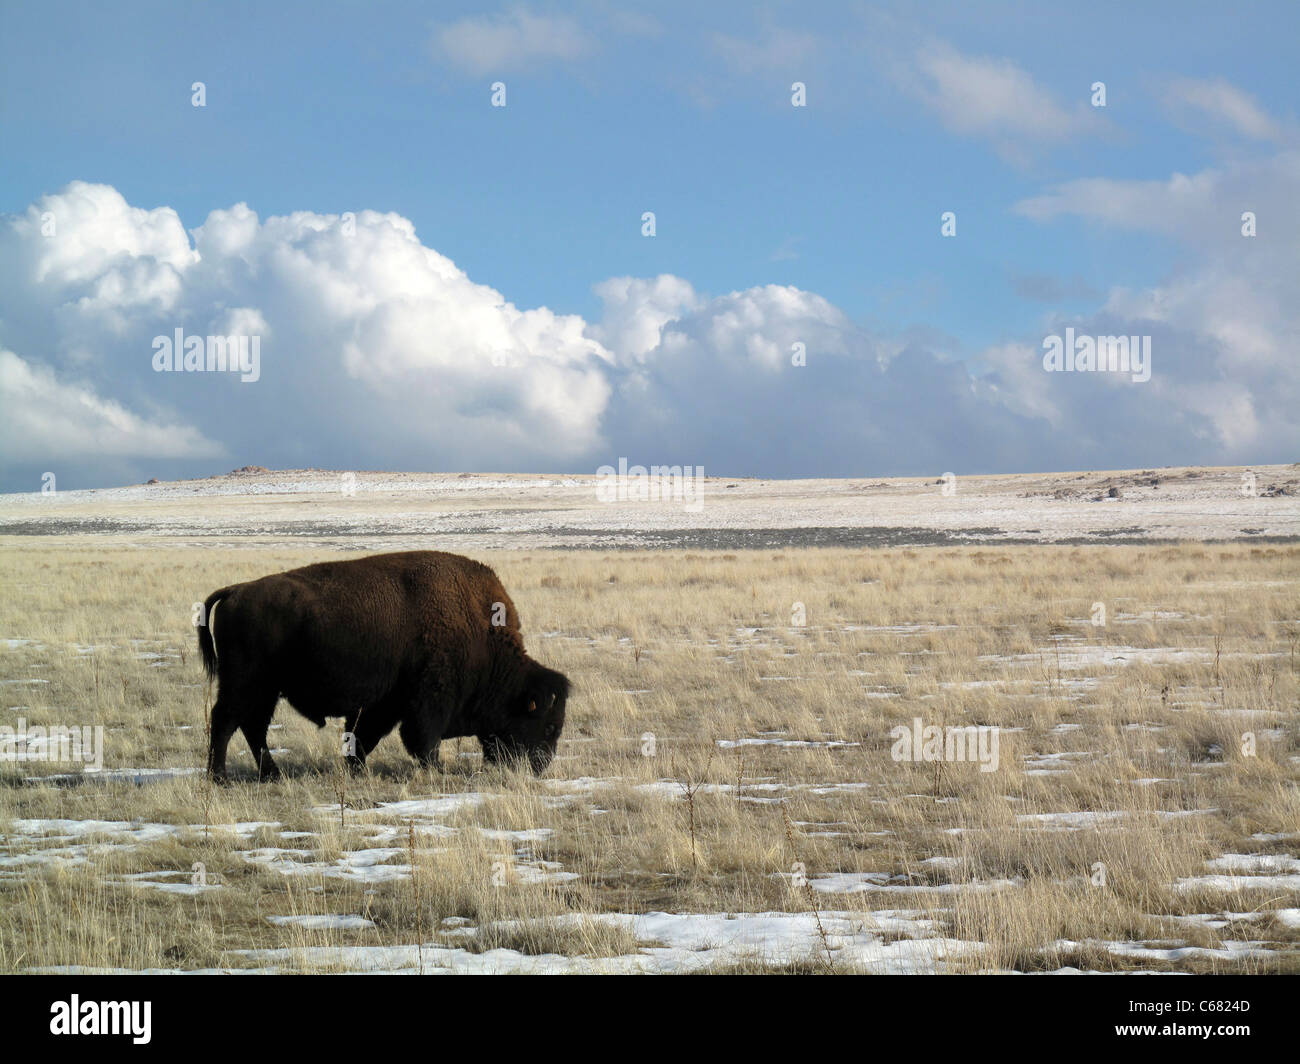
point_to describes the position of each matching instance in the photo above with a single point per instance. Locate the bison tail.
(207, 648)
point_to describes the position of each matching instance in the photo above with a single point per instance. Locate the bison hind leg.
(257, 718)
(243, 709)
(225, 722)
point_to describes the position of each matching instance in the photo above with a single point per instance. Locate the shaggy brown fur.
(424, 640)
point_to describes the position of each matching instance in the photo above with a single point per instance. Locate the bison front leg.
(425, 719)
(366, 728)
(422, 739)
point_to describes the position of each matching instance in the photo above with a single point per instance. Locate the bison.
(424, 641)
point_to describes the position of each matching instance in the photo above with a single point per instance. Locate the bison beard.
(423, 641)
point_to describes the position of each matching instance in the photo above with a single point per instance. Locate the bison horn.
(552, 701)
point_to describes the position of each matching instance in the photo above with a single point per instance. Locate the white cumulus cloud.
(377, 351)
(51, 421)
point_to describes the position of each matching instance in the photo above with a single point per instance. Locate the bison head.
(531, 721)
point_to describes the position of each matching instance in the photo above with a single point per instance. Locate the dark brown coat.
(421, 640)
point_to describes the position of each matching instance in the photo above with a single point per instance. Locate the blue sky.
(684, 110)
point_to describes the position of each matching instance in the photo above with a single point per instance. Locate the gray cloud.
(993, 98)
(1222, 103)
(516, 38)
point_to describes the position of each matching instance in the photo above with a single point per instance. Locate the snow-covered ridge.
(505, 511)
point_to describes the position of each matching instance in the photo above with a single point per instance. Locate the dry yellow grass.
(672, 655)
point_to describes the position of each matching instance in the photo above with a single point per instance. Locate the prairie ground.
(730, 794)
(485, 512)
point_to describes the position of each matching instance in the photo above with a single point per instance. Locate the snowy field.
(511, 512)
(732, 792)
